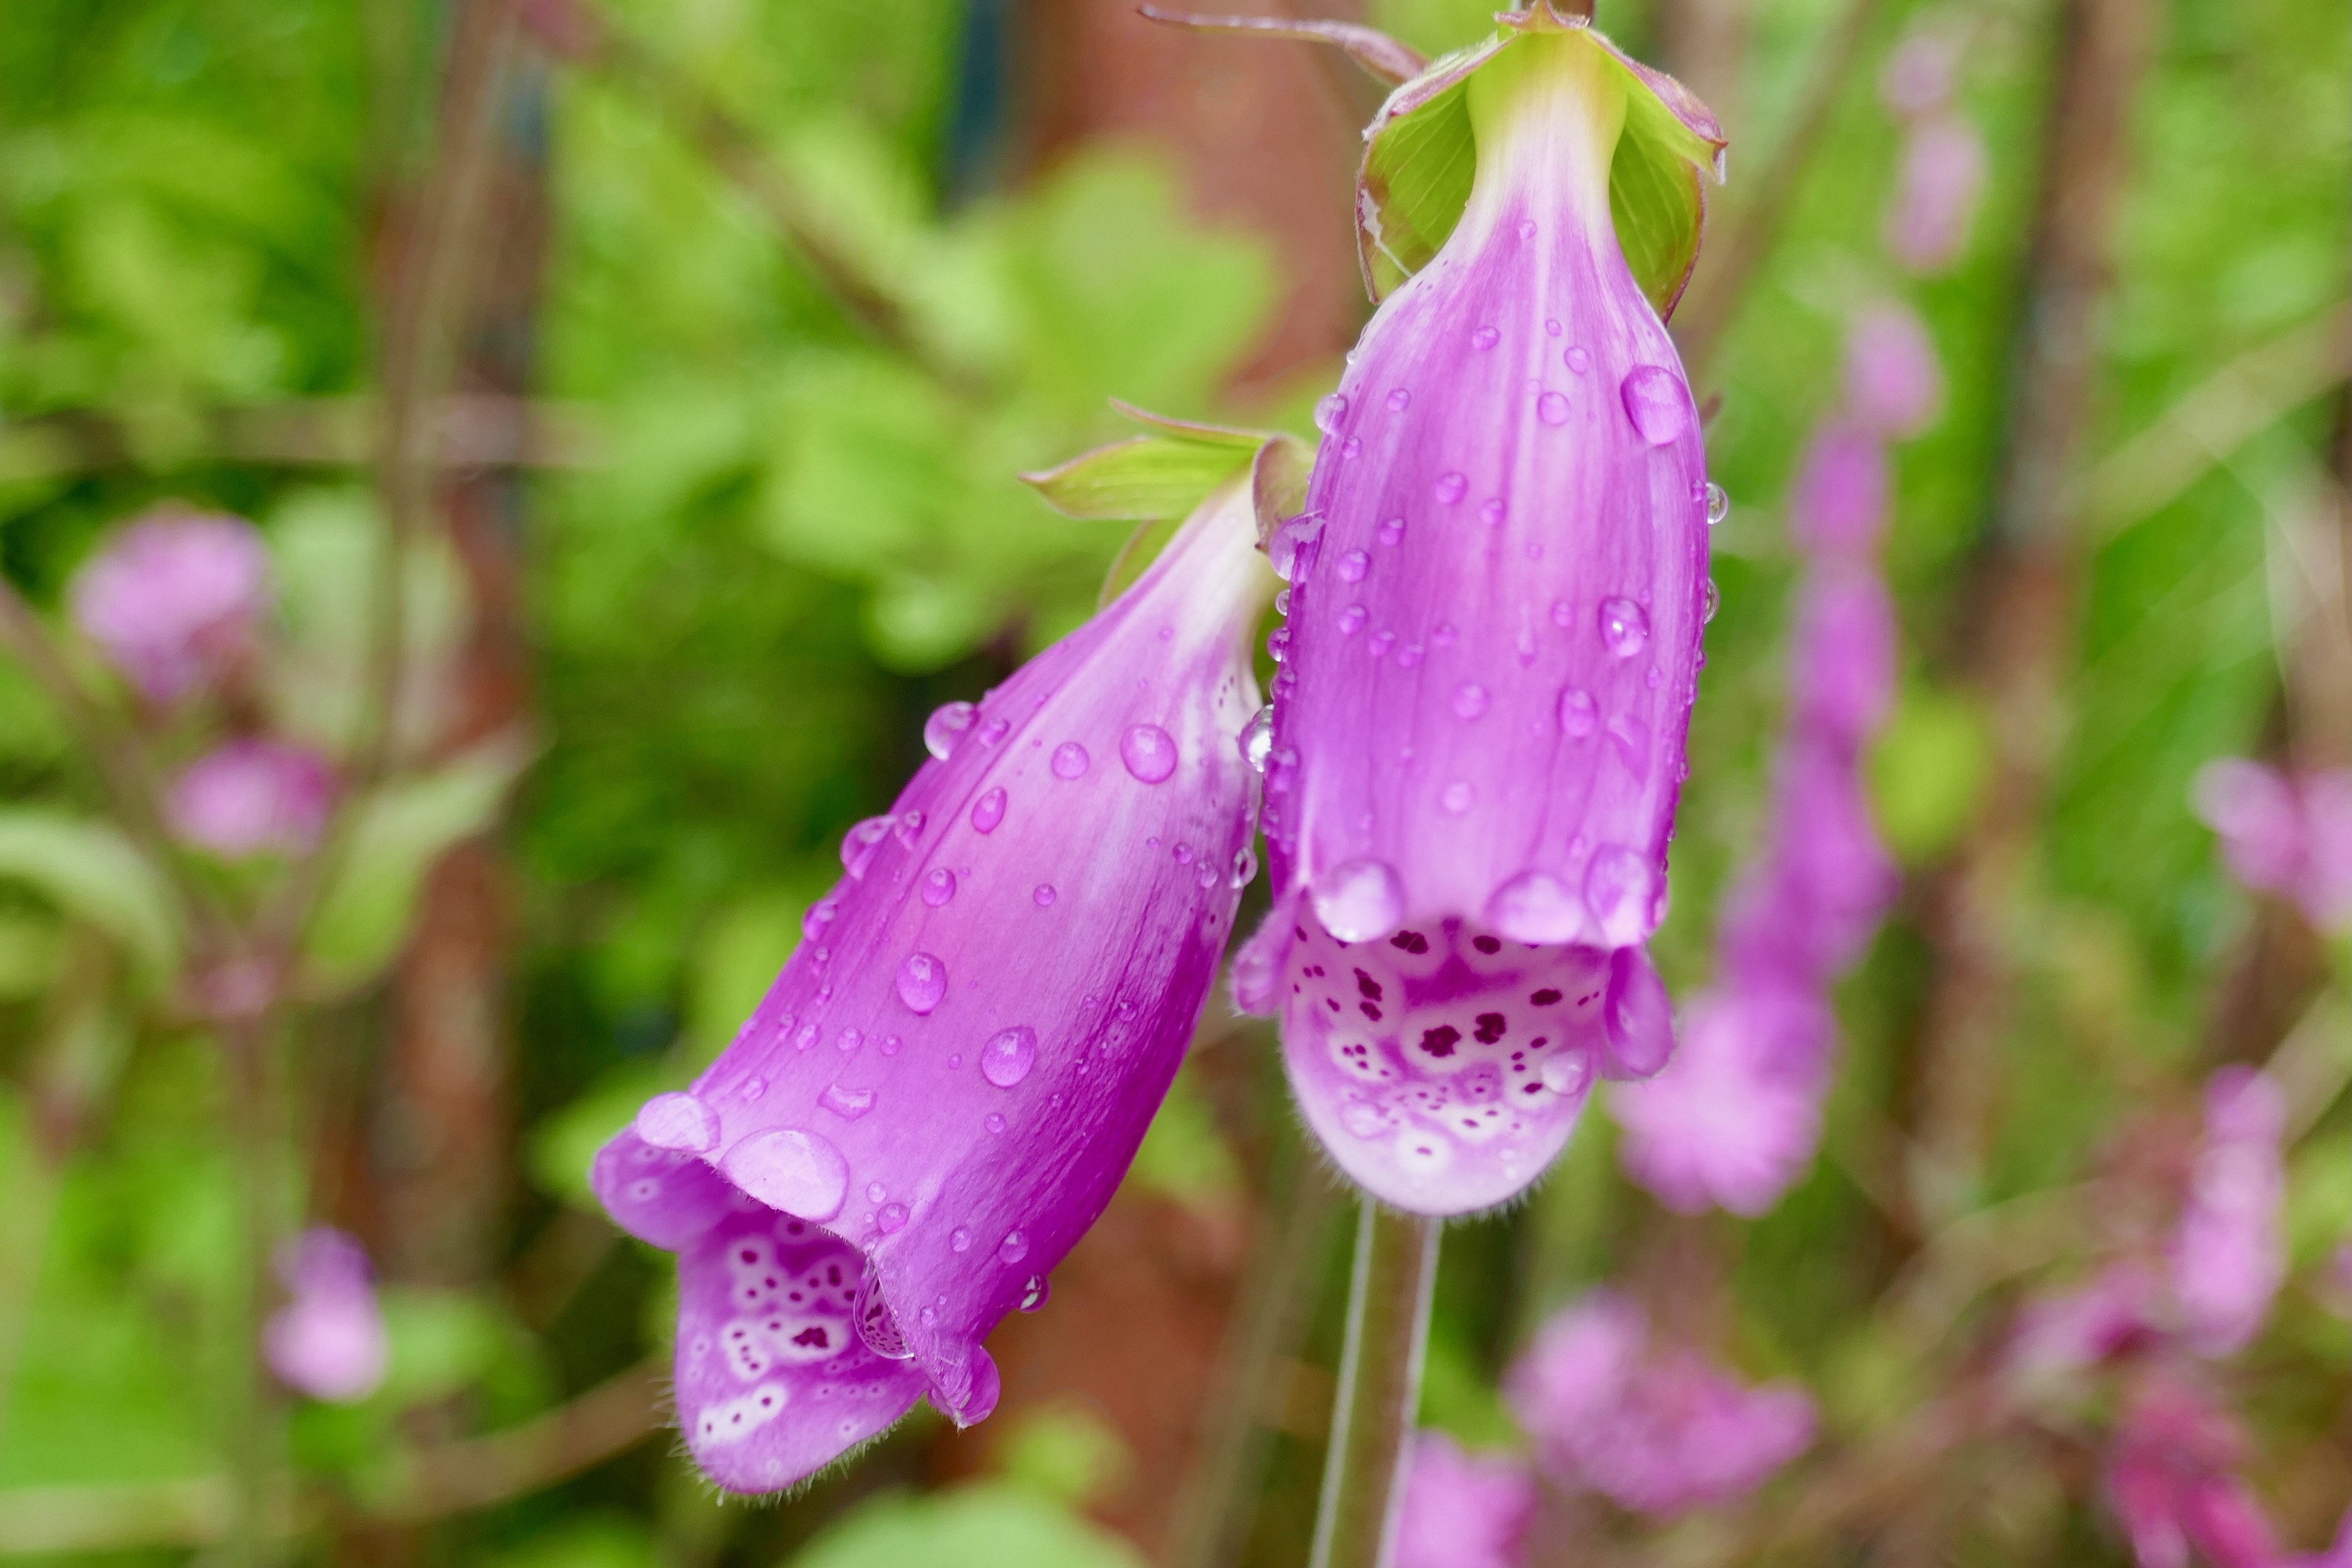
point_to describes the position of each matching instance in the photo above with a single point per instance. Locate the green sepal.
(1421, 156)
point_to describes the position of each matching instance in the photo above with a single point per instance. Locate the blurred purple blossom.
(2290, 834)
(1838, 503)
(2173, 1482)
(2228, 1255)
(2073, 1331)
(1654, 1429)
(1944, 164)
(252, 797)
(1463, 1510)
(1920, 72)
(942, 1088)
(1735, 1118)
(175, 601)
(329, 1341)
(1894, 382)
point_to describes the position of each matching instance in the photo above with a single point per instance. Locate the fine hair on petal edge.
(1349, 1186)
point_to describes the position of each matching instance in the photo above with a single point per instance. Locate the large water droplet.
(1278, 643)
(1484, 338)
(859, 844)
(1282, 603)
(1567, 1073)
(678, 1122)
(939, 887)
(1009, 1055)
(820, 915)
(1070, 760)
(1536, 906)
(1719, 505)
(1329, 412)
(1354, 565)
(945, 726)
(1469, 700)
(892, 1219)
(1657, 402)
(1256, 738)
(876, 1325)
(844, 1102)
(1620, 886)
(1580, 716)
(1035, 1292)
(1300, 533)
(1450, 488)
(1361, 901)
(922, 982)
(1624, 626)
(792, 1170)
(1013, 1248)
(1149, 751)
(1552, 408)
(987, 812)
(1400, 400)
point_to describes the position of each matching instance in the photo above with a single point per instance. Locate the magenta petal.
(664, 1196)
(773, 1381)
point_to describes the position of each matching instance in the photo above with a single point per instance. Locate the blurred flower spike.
(1498, 580)
(1463, 1510)
(329, 1341)
(2284, 833)
(175, 601)
(253, 797)
(944, 1086)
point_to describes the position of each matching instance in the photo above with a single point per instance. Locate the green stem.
(1380, 1388)
(253, 1538)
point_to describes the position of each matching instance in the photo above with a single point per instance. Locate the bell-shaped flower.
(329, 1341)
(1498, 583)
(1463, 1510)
(943, 1087)
(175, 601)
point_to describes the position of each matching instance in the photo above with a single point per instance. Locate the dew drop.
(945, 726)
(1551, 326)
(1329, 412)
(809, 1035)
(1580, 716)
(1400, 400)
(846, 1104)
(1620, 886)
(960, 1239)
(859, 844)
(1484, 338)
(1719, 505)
(1361, 901)
(1150, 753)
(988, 811)
(1458, 798)
(1070, 760)
(1380, 643)
(791, 1170)
(1657, 402)
(893, 1218)
(678, 1122)
(993, 731)
(1244, 868)
(1408, 655)
(939, 887)
(1363, 1119)
(1282, 603)
(850, 1040)
(1711, 604)
(1256, 738)
(1567, 1073)
(1527, 228)
(1391, 530)
(1536, 906)
(1034, 1293)
(890, 1044)
(1493, 512)
(1301, 532)
(922, 982)
(1450, 486)
(1469, 700)
(1624, 626)
(875, 1324)
(1042, 895)
(1351, 448)
(994, 1121)
(1552, 408)
(753, 1088)
(1354, 565)
(1278, 643)
(1350, 620)
(1009, 1055)
(1577, 360)
(1013, 1248)
(820, 915)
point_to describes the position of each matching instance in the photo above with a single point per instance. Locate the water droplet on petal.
(1450, 486)
(1034, 1294)
(960, 1239)
(1469, 700)
(994, 1121)
(1536, 906)
(1256, 737)
(1657, 402)
(1350, 620)
(1458, 798)
(1577, 360)
(1620, 886)
(1361, 901)
(1527, 228)
(939, 887)
(1719, 505)
(1070, 760)
(1013, 1248)
(1149, 751)
(1484, 338)
(1552, 408)
(891, 1044)
(1364, 1119)
(1552, 325)
(1568, 1073)
(994, 730)
(1354, 565)
(988, 811)
(1329, 412)
(1493, 512)
(791, 1170)
(1624, 627)
(875, 1324)
(945, 726)
(678, 1122)
(1245, 867)
(859, 845)
(1009, 1055)
(1282, 603)
(846, 1104)
(820, 915)
(1391, 530)
(922, 982)
(1711, 604)
(893, 1218)
(1042, 895)
(1400, 400)
(1351, 448)
(1580, 716)
(1301, 532)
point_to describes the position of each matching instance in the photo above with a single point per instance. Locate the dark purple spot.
(1545, 998)
(1441, 1041)
(1332, 1002)
(1532, 1088)
(1490, 1027)
(1488, 944)
(833, 1274)
(1370, 1012)
(1411, 941)
(750, 1255)
(1367, 987)
(814, 1336)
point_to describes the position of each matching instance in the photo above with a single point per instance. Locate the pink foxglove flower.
(2284, 833)
(174, 601)
(1658, 1429)
(2057, 1336)
(1894, 383)
(2173, 1480)
(329, 1341)
(1461, 1509)
(2228, 1255)
(1943, 172)
(942, 1088)
(1838, 503)
(1498, 585)
(1735, 1118)
(253, 797)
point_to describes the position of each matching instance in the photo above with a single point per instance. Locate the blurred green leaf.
(91, 872)
(984, 1525)
(740, 952)
(561, 1147)
(29, 947)
(1065, 1454)
(1928, 772)
(1141, 478)
(1182, 1155)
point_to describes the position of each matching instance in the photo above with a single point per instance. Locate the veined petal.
(942, 1088)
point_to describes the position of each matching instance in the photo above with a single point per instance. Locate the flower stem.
(1380, 1388)
(253, 1537)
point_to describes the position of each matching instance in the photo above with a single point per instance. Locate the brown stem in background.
(2014, 639)
(1728, 266)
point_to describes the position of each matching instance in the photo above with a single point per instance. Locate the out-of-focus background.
(692, 348)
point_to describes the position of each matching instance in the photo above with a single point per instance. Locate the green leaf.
(91, 872)
(367, 910)
(563, 1144)
(984, 1525)
(1145, 478)
(1928, 772)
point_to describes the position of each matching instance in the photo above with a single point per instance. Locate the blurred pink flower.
(329, 1341)
(2073, 1331)
(173, 601)
(2228, 1255)
(1657, 1430)
(1943, 170)
(2172, 1481)
(253, 797)
(1462, 1510)
(1894, 382)
(1918, 75)
(2336, 1556)
(1735, 1116)
(2327, 830)
(1838, 502)
(2283, 833)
